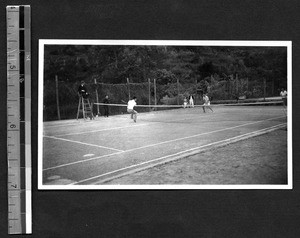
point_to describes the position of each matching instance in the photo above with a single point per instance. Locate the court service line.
(78, 142)
(120, 127)
(164, 142)
(78, 122)
(67, 124)
(221, 142)
(106, 129)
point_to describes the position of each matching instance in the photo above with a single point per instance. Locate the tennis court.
(81, 152)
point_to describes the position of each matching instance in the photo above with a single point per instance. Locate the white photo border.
(43, 42)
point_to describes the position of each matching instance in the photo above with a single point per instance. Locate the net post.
(57, 96)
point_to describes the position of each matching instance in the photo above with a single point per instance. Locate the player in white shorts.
(130, 108)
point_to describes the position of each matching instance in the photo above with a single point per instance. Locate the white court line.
(78, 142)
(80, 121)
(179, 153)
(164, 142)
(81, 161)
(106, 129)
(122, 127)
(67, 124)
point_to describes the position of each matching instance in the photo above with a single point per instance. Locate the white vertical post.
(177, 91)
(57, 96)
(264, 89)
(97, 99)
(128, 85)
(155, 99)
(149, 93)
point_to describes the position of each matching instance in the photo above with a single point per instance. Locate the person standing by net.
(206, 103)
(283, 95)
(191, 101)
(130, 108)
(184, 102)
(106, 109)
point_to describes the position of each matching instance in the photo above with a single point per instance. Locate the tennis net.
(172, 112)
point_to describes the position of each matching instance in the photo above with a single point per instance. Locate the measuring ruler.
(19, 119)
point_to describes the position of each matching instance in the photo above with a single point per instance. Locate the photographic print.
(139, 114)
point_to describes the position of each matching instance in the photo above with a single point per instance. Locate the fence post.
(264, 89)
(149, 93)
(229, 89)
(154, 84)
(128, 88)
(97, 99)
(196, 86)
(177, 91)
(237, 84)
(57, 96)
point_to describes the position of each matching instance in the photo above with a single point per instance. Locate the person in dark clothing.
(82, 91)
(106, 109)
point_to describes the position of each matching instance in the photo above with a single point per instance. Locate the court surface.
(79, 152)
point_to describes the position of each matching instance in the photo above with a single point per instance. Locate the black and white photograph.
(174, 118)
(139, 114)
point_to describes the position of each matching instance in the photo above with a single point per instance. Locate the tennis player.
(283, 95)
(191, 101)
(130, 108)
(185, 102)
(206, 103)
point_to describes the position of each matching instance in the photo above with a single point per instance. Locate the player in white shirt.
(130, 108)
(191, 101)
(206, 103)
(184, 102)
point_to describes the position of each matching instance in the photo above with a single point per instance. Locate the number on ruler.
(14, 185)
(12, 66)
(12, 126)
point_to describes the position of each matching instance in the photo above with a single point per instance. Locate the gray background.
(198, 213)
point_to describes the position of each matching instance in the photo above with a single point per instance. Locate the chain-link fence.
(61, 97)
(234, 88)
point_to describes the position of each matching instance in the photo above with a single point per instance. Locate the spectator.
(191, 101)
(82, 91)
(106, 109)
